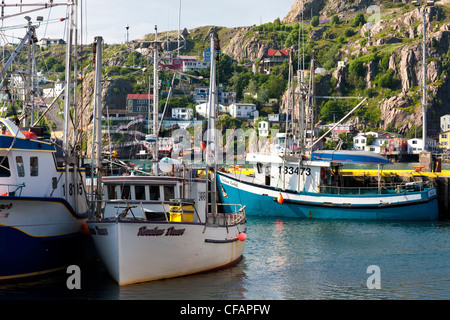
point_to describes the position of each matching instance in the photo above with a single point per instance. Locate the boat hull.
(261, 200)
(136, 251)
(39, 236)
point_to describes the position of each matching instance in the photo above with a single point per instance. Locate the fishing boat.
(314, 188)
(289, 180)
(43, 204)
(168, 224)
(43, 207)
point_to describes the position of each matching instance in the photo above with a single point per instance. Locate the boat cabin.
(149, 197)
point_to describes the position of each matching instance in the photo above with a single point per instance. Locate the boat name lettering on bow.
(6, 206)
(143, 231)
(229, 182)
(174, 232)
(98, 231)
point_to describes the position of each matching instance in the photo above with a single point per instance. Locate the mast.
(67, 96)
(211, 140)
(155, 102)
(97, 143)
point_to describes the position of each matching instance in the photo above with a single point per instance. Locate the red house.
(175, 63)
(273, 58)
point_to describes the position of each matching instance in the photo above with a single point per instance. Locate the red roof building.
(274, 57)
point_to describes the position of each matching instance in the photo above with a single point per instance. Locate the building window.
(34, 166)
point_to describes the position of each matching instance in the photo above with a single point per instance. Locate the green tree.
(370, 139)
(359, 20)
(388, 80)
(385, 62)
(315, 21)
(349, 32)
(224, 68)
(335, 19)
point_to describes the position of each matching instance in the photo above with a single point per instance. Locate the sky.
(109, 18)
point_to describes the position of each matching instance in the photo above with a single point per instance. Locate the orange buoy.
(280, 199)
(242, 236)
(85, 228)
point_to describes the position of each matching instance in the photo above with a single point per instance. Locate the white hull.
(136, 251)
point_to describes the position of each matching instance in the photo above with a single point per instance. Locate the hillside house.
(207, 54)
(182, 113)
(444, 140)
(224, 97)
(415, 145)
(45, 42)
(272, 58)
(202, 108)
(445, 122)
(378, 145)
(139, 104)
(195, 65)
(263, 128)
(175, 63)
(243, 110)
(342, 128)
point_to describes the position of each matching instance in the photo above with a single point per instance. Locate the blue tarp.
(366, 157)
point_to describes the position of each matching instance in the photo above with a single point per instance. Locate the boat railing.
(16, 189)
(382, 188)
(181, 210)
(232, 213)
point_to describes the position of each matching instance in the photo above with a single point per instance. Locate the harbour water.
(289, 259)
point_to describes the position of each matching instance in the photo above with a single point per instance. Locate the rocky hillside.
(383, 52)
(389, 40)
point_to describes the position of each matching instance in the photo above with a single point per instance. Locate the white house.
(360, 141)
(54, 91)
(182, 113)
(202, 108)
(445, 122)
(263, 128)
(243, 110)
(45, 42)
(415, 145)
(195, 65)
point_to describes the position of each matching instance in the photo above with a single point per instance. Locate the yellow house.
(444, 140)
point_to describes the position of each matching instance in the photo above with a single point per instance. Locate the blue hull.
(264, 205)
(22, 255)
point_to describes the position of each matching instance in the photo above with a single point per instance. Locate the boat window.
(154, 193)
(169, 193)
(125, 194)
(139, 192)
(111, 192)
(4, 167)
(259, 166)
(34, 168)
(20, 166)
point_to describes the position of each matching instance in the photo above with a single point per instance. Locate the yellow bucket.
(177, 212)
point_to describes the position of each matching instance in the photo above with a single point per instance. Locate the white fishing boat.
(43, 204)
(166, 225)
